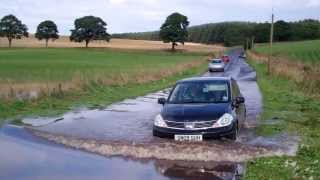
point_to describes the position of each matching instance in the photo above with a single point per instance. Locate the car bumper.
(206, 133)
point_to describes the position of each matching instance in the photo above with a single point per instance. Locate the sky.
(148, 15)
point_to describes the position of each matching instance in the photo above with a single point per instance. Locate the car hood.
(194, 112)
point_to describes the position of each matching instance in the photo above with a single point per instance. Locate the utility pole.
(252, 42)
(271, 43)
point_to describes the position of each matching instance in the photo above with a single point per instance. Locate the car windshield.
(216, 61)
(200, 92)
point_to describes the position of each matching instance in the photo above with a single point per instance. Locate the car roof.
(199, 79)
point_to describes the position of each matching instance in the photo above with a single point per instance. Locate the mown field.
(52, 65)
(39, 81)
(307, 51)
(125, 44)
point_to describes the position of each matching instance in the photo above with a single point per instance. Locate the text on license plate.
(188, 137)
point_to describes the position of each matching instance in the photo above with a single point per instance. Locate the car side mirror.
(240, 100)
(162, 101)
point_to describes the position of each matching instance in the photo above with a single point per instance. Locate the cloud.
(147, 15)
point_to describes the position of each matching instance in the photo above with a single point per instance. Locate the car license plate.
(188, 137)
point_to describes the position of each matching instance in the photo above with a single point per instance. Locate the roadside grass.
(43, 72)
(304, 71)
(306, 51)
(94, 95)
(297, 113)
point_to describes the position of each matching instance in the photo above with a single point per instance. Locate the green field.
(45, 65)
(296, 113)
(308, 51)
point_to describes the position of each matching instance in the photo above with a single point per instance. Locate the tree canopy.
(89, 28)
(12, 28)
(47, 30)
(174, 29)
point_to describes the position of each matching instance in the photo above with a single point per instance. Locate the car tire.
(154, 133)
(234, 135)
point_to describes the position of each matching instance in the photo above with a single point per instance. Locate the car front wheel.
(233, 136)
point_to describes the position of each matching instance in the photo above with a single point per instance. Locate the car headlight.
(158, 121)
(224, 121)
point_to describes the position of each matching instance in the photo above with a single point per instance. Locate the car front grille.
(190, 125)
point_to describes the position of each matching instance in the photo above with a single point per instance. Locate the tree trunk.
(47, 43)
(173, 46)
(87, 43)
(10, 42)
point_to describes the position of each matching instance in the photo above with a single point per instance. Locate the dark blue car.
(200, 108)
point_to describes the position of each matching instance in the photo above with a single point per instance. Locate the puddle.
(24, 156)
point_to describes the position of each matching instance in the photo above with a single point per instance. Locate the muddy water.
(124, 129)
(27, 157)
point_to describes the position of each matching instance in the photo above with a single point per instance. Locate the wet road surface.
(124, 129)
(27, 157)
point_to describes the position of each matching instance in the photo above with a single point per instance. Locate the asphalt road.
(23, 155)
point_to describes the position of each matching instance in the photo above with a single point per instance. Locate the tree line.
(174, 30)
(241, 33)
(86, 29)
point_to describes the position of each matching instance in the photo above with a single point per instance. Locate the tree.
(261, 32)
(282, 31)
(89, 28)
(47, 30)
(174, 29)
(12, 28)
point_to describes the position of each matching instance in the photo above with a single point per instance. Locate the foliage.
(282, 31)
(89, 28)
(238, 33)
(12, 28)
(174, 29)
(47, 30)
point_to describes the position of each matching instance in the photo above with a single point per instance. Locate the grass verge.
(93, 96)
(296, 112)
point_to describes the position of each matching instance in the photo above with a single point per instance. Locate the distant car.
(199, 108)
(243, 55)
(225, 58)
(216, 65)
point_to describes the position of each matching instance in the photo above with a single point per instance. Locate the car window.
(200, 92)
(216, 61)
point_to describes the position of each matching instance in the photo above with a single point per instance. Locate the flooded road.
(124, 131)
(27, 157)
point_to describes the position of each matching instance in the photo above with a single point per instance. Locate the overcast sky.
(147, 15)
